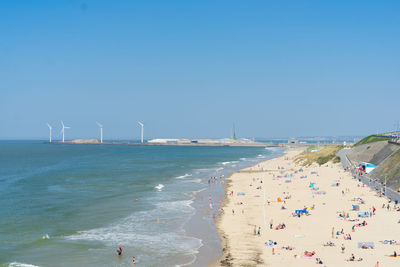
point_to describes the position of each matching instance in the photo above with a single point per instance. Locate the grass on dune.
(371, 139)
(321, 157)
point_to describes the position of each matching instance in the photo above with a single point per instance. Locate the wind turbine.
(62, 130)
(50, 128)
(101, 132)
(142, 125)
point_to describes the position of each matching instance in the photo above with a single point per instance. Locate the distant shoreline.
(166, 144)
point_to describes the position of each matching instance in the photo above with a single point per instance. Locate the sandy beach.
(262, 199)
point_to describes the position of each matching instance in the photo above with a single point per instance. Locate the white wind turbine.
(101, 132)
(142, 126)
(62, 130)
(50, 128)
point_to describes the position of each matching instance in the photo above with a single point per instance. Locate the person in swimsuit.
(134, 261)
(119, 251)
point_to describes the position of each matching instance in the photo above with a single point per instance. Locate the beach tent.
(368, 244)
(367, 167)
(301, 211)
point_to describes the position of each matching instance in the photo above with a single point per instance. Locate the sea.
(74, 205)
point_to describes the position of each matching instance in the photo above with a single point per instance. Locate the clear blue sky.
(192, 68)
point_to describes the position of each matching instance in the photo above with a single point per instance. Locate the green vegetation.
(371, 139)
(336, 160)
(321, 157)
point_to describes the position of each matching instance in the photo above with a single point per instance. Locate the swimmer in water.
(119, 251)
(134, 261)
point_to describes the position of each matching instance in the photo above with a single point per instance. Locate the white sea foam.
(183, 176)
(243, 159)
(46, 236)
(135, 230)
(229, 162)
(19, 264)
(159, 187)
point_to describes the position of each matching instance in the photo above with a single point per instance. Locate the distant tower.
(233, 134)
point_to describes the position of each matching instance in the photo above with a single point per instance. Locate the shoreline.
(243, 248)
(226, 258)
(201, 225)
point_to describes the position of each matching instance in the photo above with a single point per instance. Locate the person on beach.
(259, 231)
(271, 224)
(134, 261)
(255, 229)
(119, 251)
(343, 248)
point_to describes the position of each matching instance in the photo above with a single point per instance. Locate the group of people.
(119, 254)
(257, 231)
(353, 258)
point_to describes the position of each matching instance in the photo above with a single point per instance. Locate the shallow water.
(73, 205)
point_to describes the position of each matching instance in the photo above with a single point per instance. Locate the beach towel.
(362, 214)
(389, 242)
(368, 244)
(241, 193)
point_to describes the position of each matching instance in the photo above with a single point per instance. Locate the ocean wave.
(243, 159)
(229, 162)
(134, 231)
(181, 205)
(19, 264)
(197, 181)
(46, 236)
(159, 187)
(183, 176)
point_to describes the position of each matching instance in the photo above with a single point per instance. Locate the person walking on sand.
(134, 261)
(343, 248)
(271, 224)
(377, 264)
(259, 231)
